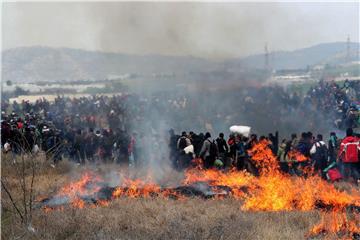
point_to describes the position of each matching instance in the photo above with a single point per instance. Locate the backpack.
(351, 152)
(321, 152)
(334, 175)
(213, 149)
(182, 143)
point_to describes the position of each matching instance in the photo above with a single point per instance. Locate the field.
(144, 218)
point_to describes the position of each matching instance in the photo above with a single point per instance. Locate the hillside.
(333, 53)
(29, 64)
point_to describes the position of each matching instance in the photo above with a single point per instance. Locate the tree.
(20, 91)
(8, 83)
(20, 191)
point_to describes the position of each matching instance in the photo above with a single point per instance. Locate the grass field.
(151, 218)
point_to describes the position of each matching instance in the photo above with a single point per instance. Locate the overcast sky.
(209, 30)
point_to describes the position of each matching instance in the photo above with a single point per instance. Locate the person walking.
(319, 155)
(348, 155)
(208, 151)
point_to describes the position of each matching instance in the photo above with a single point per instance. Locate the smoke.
(210, 30)
(265, 109)
(179, 28)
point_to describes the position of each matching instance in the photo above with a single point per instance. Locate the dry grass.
(149, 218)
(164, 219)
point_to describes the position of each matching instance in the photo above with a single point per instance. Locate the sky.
(207, 30)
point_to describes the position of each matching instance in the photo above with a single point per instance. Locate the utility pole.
(348, 49)
(266, 57)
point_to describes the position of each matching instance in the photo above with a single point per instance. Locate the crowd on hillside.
(341, 104)
(129, 129)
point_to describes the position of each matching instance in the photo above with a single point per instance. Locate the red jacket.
(231, 141)
(20, 125)
(349, 149)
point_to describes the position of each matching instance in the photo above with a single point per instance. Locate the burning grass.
(271, 206)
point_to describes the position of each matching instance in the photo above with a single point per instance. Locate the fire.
(78, 203)
(263, 158)
(117, 193)
(214, 177)
(337, 223)
(297, 156)
(272, 190)
(136, 188)
(88, 184)
(102, 203)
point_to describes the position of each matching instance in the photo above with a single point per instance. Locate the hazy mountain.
(63, 64)
(333, 53)
(28, 64)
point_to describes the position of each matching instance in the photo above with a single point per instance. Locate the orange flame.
(297, 156)
(273, 190)
(85, 186)
(337, 223)
(136, 188)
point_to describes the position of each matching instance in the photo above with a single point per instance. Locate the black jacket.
(222, 145)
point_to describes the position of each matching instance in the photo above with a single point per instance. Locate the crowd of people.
(338, 103)
(130, 130)
(294, 154)
(80, 129)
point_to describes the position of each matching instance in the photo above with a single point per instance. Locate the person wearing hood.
(319, 154)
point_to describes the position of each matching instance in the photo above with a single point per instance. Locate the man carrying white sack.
(182, 143)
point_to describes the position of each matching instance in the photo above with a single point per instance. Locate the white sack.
(243, 130)
(189, 149)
